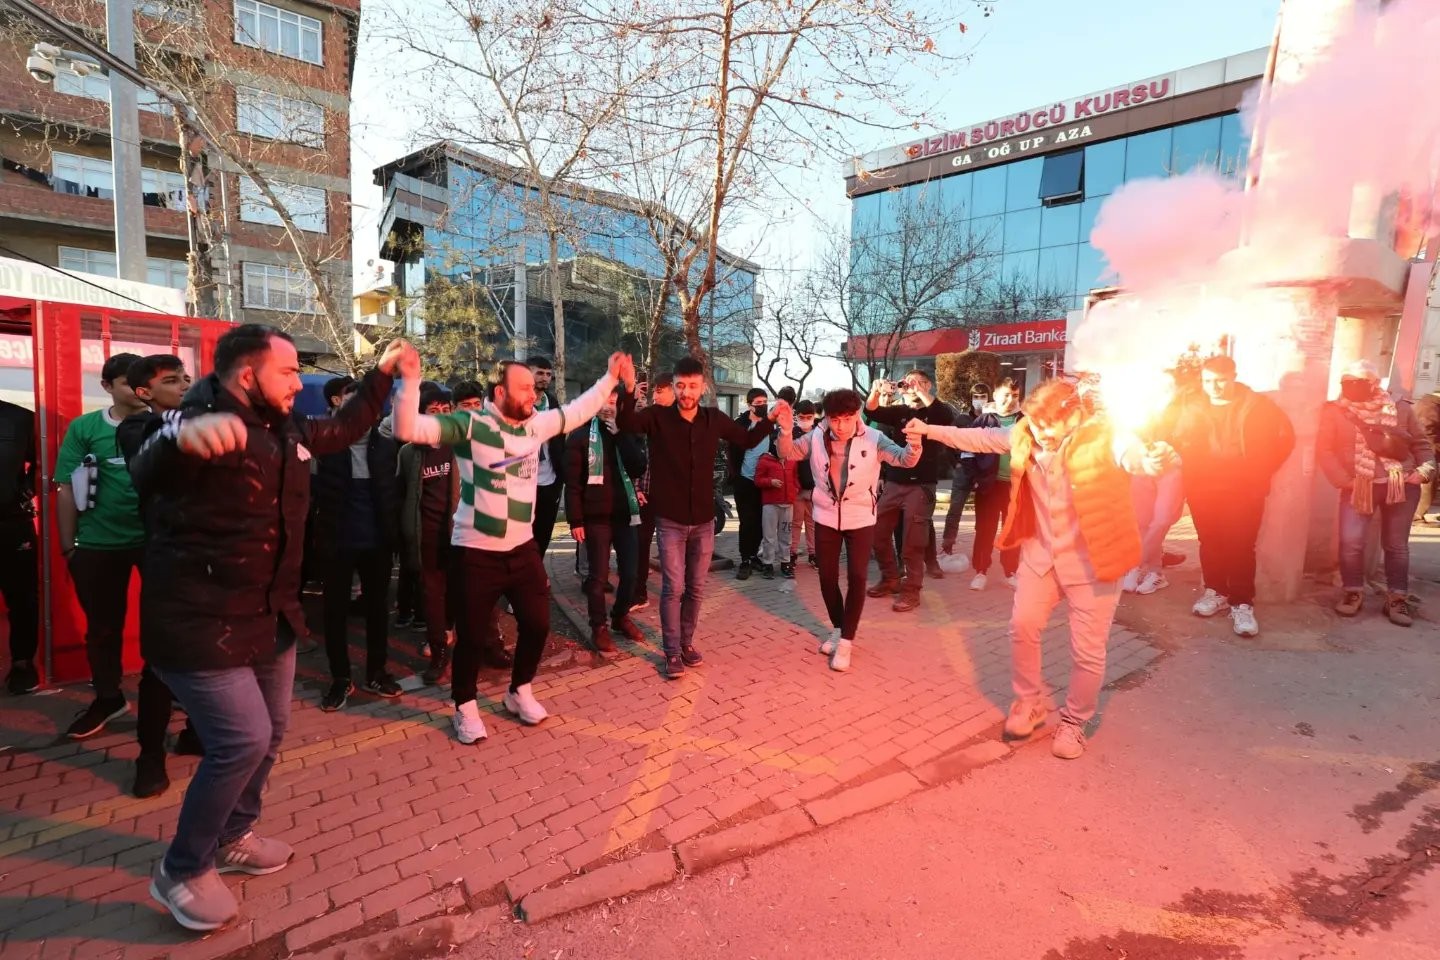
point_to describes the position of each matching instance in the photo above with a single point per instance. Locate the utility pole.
(125, 146)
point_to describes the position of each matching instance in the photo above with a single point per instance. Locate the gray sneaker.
(201, 903)
(254, 855)
(1068, 742)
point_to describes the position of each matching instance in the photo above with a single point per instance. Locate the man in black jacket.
(161, 381)
(743, 461)
(227, 482)
(908, 492)
(357, 528)
(603, 508)
(19, 579)
(683, 441)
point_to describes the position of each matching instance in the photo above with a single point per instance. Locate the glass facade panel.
(1089, 210)
(1104, 168)
(1234, 146)
(1022, 270)
(1022, 188)
(1063, 176)
(1090, 268)
(1056, 272)
(989, 232)
(1022, 230)
(955, 195)
(1060, 225)
(1148, 155)
(1195, 145)
(989, 191)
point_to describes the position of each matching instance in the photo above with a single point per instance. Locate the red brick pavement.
(393, 821)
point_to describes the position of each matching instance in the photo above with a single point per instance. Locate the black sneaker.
(404, 620)
(674, 667)
(767, 570)
(744, 572)
(787, 570)
(23, 678)
(439, 669)
(418, 624)
(383, 685)
(691, 656)
(94, 717)
(813, 561)
(337, 696)
(151, 780)
(188, 744)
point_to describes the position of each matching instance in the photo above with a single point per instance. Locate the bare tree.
(761, 84)
(874, 291)
(207, 83)
(789, 334)
(530, 85)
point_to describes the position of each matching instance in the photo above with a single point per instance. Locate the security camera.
(41, 62)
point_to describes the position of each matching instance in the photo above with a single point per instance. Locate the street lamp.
(45, 63)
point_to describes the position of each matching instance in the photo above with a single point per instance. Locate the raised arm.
(972, 439)
(581, 410)
(630, 420)
(897, 456)
(361, 412)
(788, 448)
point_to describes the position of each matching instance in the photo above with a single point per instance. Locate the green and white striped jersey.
(498, 461)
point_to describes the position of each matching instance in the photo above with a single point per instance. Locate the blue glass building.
(1028, 188)
(451, 212)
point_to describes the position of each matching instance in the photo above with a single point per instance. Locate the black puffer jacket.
(600, 503)
(331, 487)
(221, 584)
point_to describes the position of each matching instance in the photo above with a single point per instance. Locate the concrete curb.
(743, 839)
(607, 883)
(429, 938)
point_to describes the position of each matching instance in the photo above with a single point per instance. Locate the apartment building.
(270, 80)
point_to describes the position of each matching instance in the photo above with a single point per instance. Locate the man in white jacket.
(845, 456)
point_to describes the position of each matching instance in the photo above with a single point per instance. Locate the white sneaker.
(1154, 580)
(469, 728)
(523, 704)
(1131, 581)
(827, 647)
(1013, 581)
(1210, 604)
(840, 659)
(979, 582)
(1242, 618)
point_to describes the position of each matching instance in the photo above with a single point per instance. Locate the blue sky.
(1029, 53)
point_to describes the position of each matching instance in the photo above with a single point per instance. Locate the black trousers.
(644, 536)
(483, 577)
(373, 566)
(844, 610)
(751, 510)
(155, 704)
(1227, 523)
(914, 504)
(547, 508)
(599, 539)
(962, 484)
(20, 586)
(102, 583)
(436, 598)
(992, 504)
(409, 593)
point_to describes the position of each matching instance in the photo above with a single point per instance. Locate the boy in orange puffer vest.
(779, 485)
(1071, 518)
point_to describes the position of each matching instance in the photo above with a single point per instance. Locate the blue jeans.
(1395, 520)
(685, 553)
(241, 714)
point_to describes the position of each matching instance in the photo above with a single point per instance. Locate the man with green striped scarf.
(497, 452)
(603, 508)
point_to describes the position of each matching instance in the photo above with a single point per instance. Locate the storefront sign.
(31, 281)
(1056, 115)
(1019, 337)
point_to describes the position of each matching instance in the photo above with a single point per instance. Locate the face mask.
(760, 409)
(978, 403)
(1357, 391)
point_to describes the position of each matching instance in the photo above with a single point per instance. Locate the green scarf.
(595, 465)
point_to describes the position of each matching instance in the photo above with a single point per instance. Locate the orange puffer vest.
(1101, 491)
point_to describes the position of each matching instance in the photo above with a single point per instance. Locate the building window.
(96, 86)
(1063, 178)
(93, 177)
(1104, 168)
(164, 273)
(279, 31)
(275, 117)
(271, 287)
(306, 205)
(81, 176)
(1022, 186)
(163, 188)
